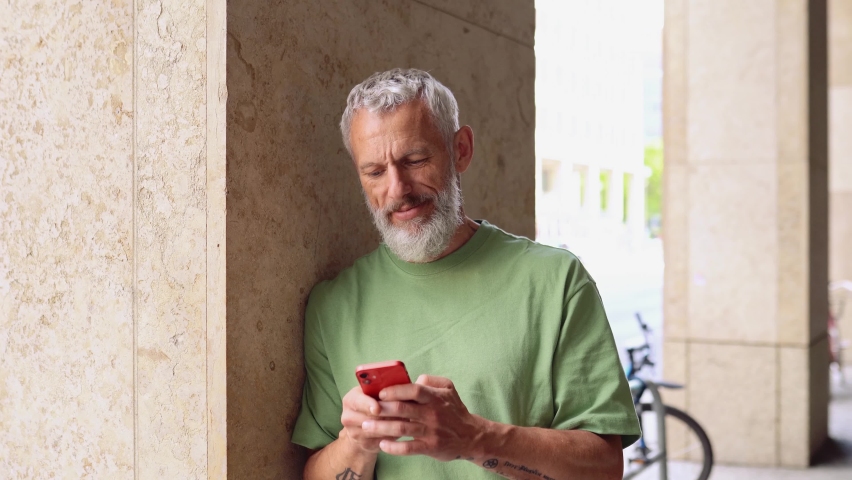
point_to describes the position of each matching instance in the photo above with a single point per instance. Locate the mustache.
(409, 201)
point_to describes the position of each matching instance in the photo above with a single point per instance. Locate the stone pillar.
(745, 98)
(112, 239)
(840, 150)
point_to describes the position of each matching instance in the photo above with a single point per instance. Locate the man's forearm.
(342, 461)
(536, 453)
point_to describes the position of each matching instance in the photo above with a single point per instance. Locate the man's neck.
(463, 233)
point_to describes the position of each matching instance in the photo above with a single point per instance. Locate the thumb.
(434, 381)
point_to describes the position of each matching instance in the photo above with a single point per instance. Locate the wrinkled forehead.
(410, 122)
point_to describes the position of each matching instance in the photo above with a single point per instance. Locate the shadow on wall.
(295, 214)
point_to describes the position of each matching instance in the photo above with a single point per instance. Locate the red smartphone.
(374, 377)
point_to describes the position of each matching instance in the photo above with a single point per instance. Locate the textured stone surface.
(731, 101)
(840, 39)
(840, 148)
(216, 309)
(103, 182)
(732, 394)
(732, 250)
(66, 210)
(171, 238)
(295, 212)
(510, 18)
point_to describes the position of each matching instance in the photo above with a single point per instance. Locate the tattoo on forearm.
(348, 474)
(526, 469)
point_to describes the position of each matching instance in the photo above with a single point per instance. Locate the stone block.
(791, 80)
(840, 141)
(675, 362)
(803, 402)
(66, 239)
(794, 404)
(793, 254)
(733, 253)
(733, 395)
(675, 93)
(732, 110)
(840, 43)
(676, 252)
(171, 239)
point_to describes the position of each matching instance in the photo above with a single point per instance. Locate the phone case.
(374, 377)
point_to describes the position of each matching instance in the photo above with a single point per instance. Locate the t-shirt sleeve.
(590, 390)
(318, 423)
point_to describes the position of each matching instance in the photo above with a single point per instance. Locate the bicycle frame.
(638, 387)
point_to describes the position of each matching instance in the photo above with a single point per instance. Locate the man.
(518, 371)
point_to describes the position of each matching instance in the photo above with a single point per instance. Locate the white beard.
(421, 239)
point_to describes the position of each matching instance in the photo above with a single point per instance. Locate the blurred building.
(590, 134)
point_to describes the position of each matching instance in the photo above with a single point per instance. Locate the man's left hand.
(436, 418)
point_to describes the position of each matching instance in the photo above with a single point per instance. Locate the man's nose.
(400, 185)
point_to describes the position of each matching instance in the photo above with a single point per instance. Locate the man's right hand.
(354, 453)
(357, 408)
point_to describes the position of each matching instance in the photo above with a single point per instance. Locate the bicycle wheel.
(689, 457)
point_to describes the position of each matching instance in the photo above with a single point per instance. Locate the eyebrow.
(408, 153)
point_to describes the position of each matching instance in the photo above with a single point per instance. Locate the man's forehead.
(409, 116)
(407, 127)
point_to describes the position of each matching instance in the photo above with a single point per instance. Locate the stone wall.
(295, 213)
(111, 228)
(840, 153)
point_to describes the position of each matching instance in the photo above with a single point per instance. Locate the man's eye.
(375, 174)
(416, 162)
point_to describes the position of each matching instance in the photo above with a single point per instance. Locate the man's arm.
(342, 460)
(530, 452)
(443, 428)
(353, 455)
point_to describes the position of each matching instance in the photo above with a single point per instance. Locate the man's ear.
(463, 148)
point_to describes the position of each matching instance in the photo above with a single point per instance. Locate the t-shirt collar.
(463, 253)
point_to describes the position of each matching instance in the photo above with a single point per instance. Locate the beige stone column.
(112, 239)
(746, 224)
(840, 151)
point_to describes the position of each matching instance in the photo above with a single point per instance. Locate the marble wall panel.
(66, 240)
(731, 68)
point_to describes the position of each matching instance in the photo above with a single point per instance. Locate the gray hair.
(385, 91)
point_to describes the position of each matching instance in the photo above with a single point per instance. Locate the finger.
(410, 392)
(353, 419)
(395, 447)
(434, 381)
(356, 400)
(395, 429)
(407, 410)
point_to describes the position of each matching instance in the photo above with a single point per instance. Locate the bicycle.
(675, 446)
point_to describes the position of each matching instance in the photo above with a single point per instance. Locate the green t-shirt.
(517, 326)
